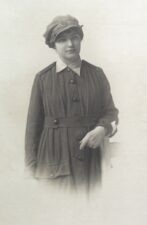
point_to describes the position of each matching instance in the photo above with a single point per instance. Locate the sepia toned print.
(70, 113)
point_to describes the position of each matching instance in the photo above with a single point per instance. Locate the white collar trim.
(61, 66)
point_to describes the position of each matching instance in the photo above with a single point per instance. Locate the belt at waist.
(77, 121)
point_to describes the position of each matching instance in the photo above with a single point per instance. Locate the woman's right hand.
(93, 138)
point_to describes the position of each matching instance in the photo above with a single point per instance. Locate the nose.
(69, 42)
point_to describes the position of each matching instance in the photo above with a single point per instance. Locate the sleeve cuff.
(111, 128)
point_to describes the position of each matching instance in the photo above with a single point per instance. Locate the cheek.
(78, 44)
(59, 49)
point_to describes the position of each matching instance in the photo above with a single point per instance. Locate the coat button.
(80, 158)
(75, 99)
(72, 81)
(55, 121)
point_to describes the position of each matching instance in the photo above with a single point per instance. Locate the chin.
(71, 56)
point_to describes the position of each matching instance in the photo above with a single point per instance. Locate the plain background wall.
(115, 39)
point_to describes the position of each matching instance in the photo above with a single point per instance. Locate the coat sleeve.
(35, 120)
(109, 113)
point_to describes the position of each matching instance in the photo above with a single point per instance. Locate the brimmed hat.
(59, 25)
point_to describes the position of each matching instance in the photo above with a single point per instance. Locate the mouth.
(70, 50)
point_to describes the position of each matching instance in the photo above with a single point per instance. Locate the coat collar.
(60, 65)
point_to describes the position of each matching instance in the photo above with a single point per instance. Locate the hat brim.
(67, 28)
(63, 29)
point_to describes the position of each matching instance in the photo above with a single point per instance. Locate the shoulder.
(98, 72)
(93, 67)
(44, 72)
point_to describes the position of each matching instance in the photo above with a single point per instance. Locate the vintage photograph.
(71, 111)
(74, 112)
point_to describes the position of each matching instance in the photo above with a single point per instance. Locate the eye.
(76, 37)
(62, 39)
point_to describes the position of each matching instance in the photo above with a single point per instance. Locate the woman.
(71, 111)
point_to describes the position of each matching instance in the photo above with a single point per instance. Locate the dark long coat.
(63, 108)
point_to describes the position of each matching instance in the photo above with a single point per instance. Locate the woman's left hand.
(93, 138)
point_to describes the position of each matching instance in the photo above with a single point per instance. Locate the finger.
(93, 143)
(90, 144)
(82, 145)
(94, 146)
(83, 142)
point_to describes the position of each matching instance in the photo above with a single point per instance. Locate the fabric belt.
(78, 121)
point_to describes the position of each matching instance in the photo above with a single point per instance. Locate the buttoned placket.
(73, 83)
(76, 100)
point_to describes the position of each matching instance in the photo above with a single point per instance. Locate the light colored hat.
(59, 25)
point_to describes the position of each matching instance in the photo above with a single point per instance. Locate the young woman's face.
(68, 45)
